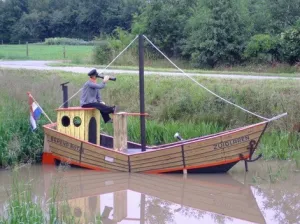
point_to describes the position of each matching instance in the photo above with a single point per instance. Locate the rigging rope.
(227, 101)
(105, 67)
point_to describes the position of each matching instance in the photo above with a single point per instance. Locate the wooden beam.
(120, 132)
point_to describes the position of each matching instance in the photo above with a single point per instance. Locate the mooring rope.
(227, 101)
(105, 67)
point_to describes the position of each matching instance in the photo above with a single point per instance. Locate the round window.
(65, 120)
(77, 121)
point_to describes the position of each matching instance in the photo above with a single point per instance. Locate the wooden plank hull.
(209, 154)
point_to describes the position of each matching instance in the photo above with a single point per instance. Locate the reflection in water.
(282, 205)
(278, 194)
(158, 199)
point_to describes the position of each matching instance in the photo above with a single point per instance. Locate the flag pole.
(29, 94)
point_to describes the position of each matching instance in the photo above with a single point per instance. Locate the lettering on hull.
(64, 143)
(231, 142)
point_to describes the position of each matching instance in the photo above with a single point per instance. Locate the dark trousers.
(104, 110)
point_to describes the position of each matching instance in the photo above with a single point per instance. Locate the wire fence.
(79, 51)
(38, 50)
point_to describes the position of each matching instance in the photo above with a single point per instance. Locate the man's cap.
(93, 72)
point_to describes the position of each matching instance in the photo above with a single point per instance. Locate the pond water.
(268, 193)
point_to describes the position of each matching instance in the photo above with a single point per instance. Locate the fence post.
(19, 42)
(27, 49)
(64, 51)
(2, 42)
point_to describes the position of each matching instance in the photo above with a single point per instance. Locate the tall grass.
(280, 145)
(175, 104)
(163, 132)
(21, 208)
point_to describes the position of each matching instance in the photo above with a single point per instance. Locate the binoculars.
(94, 72)
(110, 78)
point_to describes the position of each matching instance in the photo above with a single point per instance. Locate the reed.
(24, 207)
(280, 145)
(163, 132)
(296, 157)
(175, 104)
(21, 208)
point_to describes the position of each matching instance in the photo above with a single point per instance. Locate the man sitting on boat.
(91, 97)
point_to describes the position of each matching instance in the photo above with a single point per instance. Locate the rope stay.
(194, 80)
(105, 67)
(208, 90)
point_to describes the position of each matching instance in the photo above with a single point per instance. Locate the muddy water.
(269, 193)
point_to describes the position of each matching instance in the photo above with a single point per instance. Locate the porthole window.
(65, 121)
(77, 121)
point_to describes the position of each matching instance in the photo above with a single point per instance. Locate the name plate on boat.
(109, 182)
(235, 141)
(109, 159)
(64, 143)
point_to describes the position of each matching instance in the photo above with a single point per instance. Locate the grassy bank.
(175, 104)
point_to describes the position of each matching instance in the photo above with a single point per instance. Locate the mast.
(142, 93)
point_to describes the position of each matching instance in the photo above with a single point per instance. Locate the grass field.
(83, 55)
(45, 52)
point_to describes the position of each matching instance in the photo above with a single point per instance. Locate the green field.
(83, 55)
(45, 52)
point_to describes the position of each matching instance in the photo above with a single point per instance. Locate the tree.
(164, 21)
(263, 44)
(283, 14)
(216, 33)
(260, 16)
(11, 12)
(291, 42)
(31, 27)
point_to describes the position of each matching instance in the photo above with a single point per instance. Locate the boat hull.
(216, 153)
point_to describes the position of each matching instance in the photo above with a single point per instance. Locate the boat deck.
(131, 151)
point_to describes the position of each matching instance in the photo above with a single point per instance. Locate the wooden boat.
(81, 144)
(209, 195)
(210, 154)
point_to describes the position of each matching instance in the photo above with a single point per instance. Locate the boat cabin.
(85, 124)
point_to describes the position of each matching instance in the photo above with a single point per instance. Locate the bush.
(291, 42)
(263, 47)
(108, 47)
(102, 53)
(67, 41)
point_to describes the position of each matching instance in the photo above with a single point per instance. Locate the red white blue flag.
(35, 112)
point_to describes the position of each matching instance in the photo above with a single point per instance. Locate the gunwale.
(168, 145)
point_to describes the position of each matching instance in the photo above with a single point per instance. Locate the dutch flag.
(35, 112)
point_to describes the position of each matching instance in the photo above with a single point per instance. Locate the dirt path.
(44, 65)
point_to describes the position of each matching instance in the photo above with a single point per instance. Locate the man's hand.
(106, 78)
